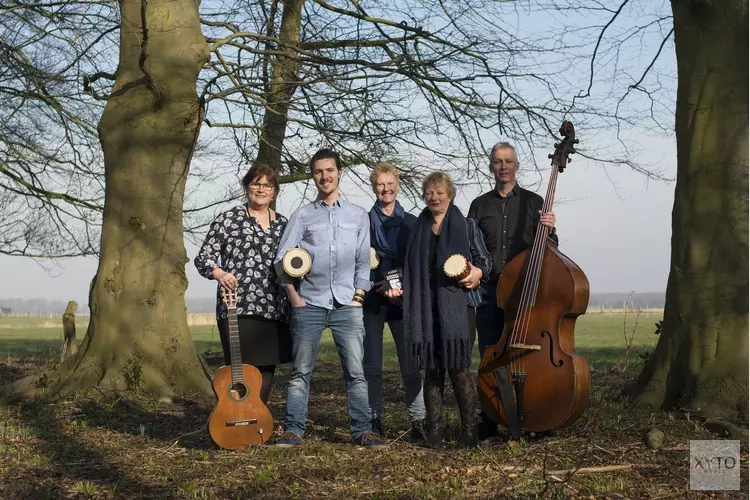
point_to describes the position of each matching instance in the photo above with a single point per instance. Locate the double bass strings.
(533, 272)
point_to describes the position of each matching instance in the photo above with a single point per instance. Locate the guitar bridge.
(238, 423)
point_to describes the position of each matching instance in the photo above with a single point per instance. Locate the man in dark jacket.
(508, 216)
(390, 227)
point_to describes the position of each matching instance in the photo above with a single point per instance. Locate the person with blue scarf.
(390, 227)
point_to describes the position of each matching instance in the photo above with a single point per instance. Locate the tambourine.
(374, 258)
(296, 262)
(456, 266)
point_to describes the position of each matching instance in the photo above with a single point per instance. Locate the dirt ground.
(127, 445)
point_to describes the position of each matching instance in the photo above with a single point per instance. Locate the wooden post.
(69, 331)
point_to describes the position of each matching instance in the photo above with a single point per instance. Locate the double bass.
(545, 383)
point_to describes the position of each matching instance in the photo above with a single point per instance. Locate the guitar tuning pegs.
(549, 156)
(575, 141)
(557, 145)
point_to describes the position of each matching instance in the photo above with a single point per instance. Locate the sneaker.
(377, 426)
(287, 440)
(371, 440)
(487, 428)
(418, 430)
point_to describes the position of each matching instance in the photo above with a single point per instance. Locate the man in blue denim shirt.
(336, 234)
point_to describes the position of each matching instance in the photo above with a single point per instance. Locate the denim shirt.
(338, 240)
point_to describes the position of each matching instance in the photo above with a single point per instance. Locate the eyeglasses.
(257, 186)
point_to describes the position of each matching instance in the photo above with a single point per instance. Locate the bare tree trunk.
(283, 84)
(701, 359)
(138, 335)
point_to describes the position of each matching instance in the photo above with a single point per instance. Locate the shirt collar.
(321, 203)
(513, 192)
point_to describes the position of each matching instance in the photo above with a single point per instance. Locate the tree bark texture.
(701, 360)
(138, 335)
(284, 81)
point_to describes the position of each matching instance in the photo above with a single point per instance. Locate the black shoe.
(418, 430)
(377, 426)
(487, 428)
(469, 436)
(542, 434)
(434, 435)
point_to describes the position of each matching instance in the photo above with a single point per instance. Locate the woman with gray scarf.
(439, 310)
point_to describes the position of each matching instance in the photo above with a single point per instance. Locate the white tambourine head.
(297, 262)
(456, 266)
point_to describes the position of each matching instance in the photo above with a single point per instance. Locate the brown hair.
(326, 154)
(380, 169)
(258, 171)
(438, 178)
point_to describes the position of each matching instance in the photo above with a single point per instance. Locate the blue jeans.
(373, 364)
(348, 330)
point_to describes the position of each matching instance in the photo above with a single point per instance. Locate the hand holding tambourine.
(467, 274)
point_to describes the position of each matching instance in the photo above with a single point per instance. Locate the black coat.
(374, 301)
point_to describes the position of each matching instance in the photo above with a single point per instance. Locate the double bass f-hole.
(558, 363)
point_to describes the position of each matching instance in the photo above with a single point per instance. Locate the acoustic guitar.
(240, 418)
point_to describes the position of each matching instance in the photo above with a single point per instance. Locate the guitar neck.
(234, 345)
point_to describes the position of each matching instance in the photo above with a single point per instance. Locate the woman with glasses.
(238, 253)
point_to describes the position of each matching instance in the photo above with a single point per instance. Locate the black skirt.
(263, 341)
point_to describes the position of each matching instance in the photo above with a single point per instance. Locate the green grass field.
(602, 337)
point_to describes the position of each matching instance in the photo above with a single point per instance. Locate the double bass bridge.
(526, 347)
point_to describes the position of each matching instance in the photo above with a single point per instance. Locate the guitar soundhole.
(296, 262)
(238, 391)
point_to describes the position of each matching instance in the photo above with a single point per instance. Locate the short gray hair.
(502, 145)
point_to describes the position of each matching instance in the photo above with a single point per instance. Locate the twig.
(303, 479)
(603, 449)
(606, 468)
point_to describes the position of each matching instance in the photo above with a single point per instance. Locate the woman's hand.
(381, 287)
(394, 295)
(472, 280)
(227, 280)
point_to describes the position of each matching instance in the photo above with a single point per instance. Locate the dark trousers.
(490, 319)
(490, 322)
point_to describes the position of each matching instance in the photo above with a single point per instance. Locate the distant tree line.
(646, 300)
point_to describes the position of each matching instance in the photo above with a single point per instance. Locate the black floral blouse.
(238, 244)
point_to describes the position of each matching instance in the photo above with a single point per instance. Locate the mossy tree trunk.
(701, 360)
(138, 333)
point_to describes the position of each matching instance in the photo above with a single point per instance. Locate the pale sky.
(615, 224)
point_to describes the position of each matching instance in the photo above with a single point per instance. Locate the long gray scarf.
(453, 347)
